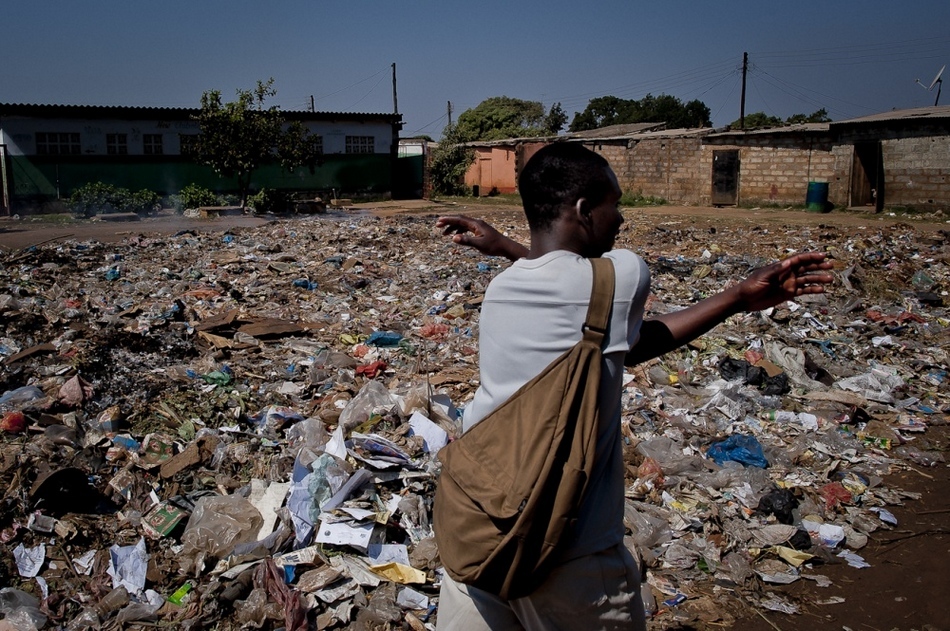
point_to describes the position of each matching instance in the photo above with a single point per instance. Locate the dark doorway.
(725, 177)
(867, 176)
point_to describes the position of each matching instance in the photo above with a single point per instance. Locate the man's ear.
(582, 209)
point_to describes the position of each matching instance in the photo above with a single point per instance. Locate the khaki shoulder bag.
(511, 486)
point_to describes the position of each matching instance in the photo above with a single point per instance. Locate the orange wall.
(493, 168)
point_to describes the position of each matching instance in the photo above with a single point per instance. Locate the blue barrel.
(817, 197)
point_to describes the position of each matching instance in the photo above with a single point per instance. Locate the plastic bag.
(738, 448)
(669, 456)
(218, 524)
(373, 397)
(20, 609)
(648, 530)
(308, 437)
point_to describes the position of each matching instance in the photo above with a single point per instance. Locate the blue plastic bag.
(739, 448)
(384, 338)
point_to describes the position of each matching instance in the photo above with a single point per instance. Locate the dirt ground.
(21, 233)
(905, 587)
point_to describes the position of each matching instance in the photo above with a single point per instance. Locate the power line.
(367, 94)
(427, 125)
(821, 94)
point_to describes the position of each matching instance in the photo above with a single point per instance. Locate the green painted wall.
(35, 179)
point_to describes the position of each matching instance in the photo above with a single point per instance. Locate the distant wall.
(657, 167)
(917, 172)
(775, 169)
(494, 169)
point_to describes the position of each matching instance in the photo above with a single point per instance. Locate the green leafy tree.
(501, 117)
(449, 162)
(611, 110)
(757, 120)
(760, 120)
(818, 116)
(239, 137)
(555, 120)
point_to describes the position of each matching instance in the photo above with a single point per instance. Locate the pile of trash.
(240, 430)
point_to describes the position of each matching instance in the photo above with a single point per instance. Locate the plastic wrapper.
(669, 456)
(649, 530)
(920, 457)
(20, 609)
(308, 437)
(373, 397)
(217, 525)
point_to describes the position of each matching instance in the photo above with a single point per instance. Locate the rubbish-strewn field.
(232, 429)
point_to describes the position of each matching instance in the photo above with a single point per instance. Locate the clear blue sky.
(852, 58)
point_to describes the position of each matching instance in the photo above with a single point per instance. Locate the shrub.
(639, 199)
(93, 198)
(144, 202)
(269, 200)
(194, 196)
(449, 162)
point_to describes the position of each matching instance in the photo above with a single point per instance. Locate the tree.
(238, 137)
(818, 116)
(449, 162)
(611, 110)
(759, 120)
(501, 117)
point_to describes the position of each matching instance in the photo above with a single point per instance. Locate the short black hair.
(557, 176)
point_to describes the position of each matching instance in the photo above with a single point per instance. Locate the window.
(187, 143)
(55, 143)
(152, 144)
(360, 144)
(117, 145)
(318, 143)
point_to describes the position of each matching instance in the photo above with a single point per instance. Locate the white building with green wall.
(47, 151)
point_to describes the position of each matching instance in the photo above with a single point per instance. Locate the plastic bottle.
(113, 601)
(649, 600)
(782, 416)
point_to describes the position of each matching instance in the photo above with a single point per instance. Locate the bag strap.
(601, 300)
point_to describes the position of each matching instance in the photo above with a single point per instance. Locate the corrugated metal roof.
(634, 131)
(616, 131)
(672, 133)
(114, 111)
(933, 112)
(800, 128)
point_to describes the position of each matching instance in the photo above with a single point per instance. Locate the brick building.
(894, 159)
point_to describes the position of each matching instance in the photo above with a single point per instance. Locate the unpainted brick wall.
(917, 172)
(770, 174)
(664, 168)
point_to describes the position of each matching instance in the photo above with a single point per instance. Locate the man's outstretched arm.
(805, 273)
(801, 274)
(480, 235)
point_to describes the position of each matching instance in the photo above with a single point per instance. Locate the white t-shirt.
(533, 313)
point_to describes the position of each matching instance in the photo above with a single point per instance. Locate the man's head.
(565, 181)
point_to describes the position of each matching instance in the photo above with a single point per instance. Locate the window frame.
(117, 144)
(57, 143)
(153, 144)
(360, 144)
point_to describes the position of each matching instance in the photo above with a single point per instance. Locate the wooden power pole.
(395, 102)
(745, 70)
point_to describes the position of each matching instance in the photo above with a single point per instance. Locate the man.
(532, 313)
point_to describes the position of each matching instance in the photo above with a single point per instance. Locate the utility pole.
(745, 70)
(311, 104)
(395, 103)
(449, 112)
